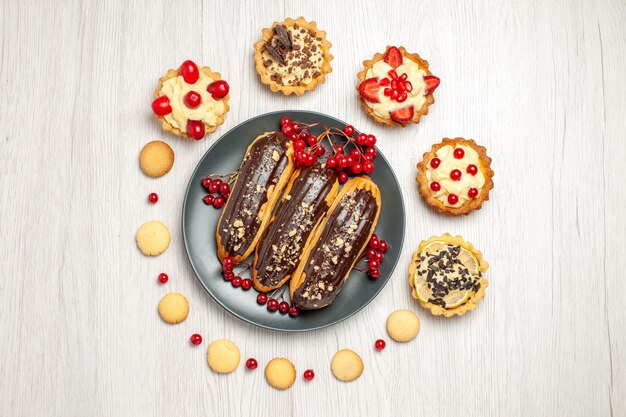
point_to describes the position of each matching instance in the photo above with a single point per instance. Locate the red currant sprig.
(219, 187)
(300, 135)
(375, 255)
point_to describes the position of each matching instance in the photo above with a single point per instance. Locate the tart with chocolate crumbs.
(396, 87)
(455, 176)
(191, 101)
(446, 275)
(293, 56)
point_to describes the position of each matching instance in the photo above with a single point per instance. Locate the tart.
(455, 176)
(191, 101)
(396, 87)
(446, 275)
(293, 56)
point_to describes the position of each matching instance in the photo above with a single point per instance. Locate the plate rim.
(224, 306)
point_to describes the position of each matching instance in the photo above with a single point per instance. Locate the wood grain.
(540, 84)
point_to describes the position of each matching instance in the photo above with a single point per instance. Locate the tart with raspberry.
(191, 101)
(396, 87)
(447, 275)
(293, 56)
(455, 176)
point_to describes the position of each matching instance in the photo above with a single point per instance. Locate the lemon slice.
(421, 289)
(456, 298)
(469, 260)
(433, 247)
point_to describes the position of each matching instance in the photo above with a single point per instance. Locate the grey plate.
(199, 222)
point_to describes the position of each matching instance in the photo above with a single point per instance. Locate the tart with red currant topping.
(191, 101)
(396, 87)
(293, 56)
(455, 176)
(447, 275)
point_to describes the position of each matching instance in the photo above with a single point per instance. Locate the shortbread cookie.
(280, 373)
(156, 159)
(173, 308)
(403, 325)
(153, 238)
(223, 356)
(346, 365)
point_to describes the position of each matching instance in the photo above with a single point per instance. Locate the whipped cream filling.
(416, 97)
(441, 174)
(209, 110)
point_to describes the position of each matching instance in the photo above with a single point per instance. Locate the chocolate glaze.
(283, 240)
(346, 231)
(262, 167)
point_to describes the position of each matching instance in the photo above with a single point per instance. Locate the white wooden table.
(541, 84)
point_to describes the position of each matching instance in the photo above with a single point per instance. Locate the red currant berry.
(338, 149)
(374, 242)
(435, 162)
(453, 199)
(379, 256)
(285, 121)
(371, 151)
(310, 159)
(161, 106)
(383, 246)
(370, 253)
(361, 139)
(246, 284)
(195, 339)
(293, 136)
(219, 201)
(251, 364)
(208, 200)
(214, 186)
(455, 175)
(261, 298)
(472, 192)
(348, 130)
(228, 263)
(342, 177)
(163, 278)
(236, 282)
(287, 129)
(229, 276)
(380, 344)
(311, 140)
(459, 153)
(294, 311)
(370, 141)
(355, 154)
(320, 151)
(472, 169)
(368, 167)
(296, 127)
(189, 71)
(283, 307)
(357, 168)
(435, 186)
(153, 198)
(195, 129)
(193, 100)
(299, 145)
(366, 158)
(373, 264)
(224, 189)
(331, 162)
(206, 182)
(309, 374)
(374, 273)
(272, 304)
(218, 89)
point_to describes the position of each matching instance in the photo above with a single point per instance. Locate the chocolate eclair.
(264, 173)
(336, 245)
(308, 195)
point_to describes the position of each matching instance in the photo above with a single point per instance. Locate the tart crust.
(368, 64)
(473, 300)
(268, 33)
(171, 73)
(476, 203)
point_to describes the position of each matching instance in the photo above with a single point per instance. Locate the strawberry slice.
(369, 90)
(432, 83)
(402, 115)
(393, 57)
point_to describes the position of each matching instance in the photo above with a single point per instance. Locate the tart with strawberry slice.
(293, 56)
(455, 176)
(396, 87)
(191, 101)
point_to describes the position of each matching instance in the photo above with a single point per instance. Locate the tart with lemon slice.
(191, 101)
(446, 275)
(396, 87)
(455, 176)
(293, 56)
